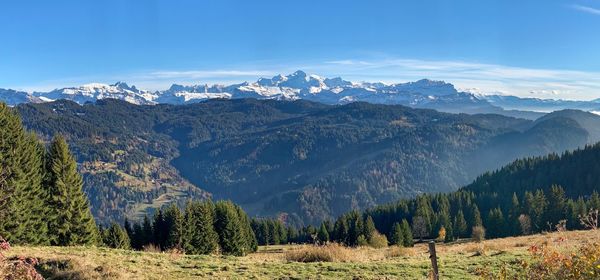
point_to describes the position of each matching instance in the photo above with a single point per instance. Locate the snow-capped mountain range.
(424, 93)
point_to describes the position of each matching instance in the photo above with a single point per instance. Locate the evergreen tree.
(594, 201)
(23, 209)
(250, 243)
(273, 232)
(28, 223)
(356, 228)
(160, 230)
(199, 235)
(292, 234)
(557, 205)
(449, 233)
(116, 237)
(369, 228)
(460, 224)
(495, 223)
(147, 236)
(340, 230)
(71, 221)
(137, 236)
(283, 238)
(323, 235)
(536, 206)
(476, 216)
(513, 216)
(407, 236)
(232, 239)
(174, 222)
(397, 237)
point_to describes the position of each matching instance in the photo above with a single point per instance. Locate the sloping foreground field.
(457, 261)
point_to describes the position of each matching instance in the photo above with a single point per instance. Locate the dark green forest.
(528, 196)
(302, 161)
(507, 202)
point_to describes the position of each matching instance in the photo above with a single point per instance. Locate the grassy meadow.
(461, 260)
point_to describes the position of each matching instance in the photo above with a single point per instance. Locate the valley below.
(303, 161)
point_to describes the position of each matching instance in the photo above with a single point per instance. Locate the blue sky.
(541, 48)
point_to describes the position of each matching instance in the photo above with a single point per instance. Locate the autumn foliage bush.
(17, 268)
(550, 262)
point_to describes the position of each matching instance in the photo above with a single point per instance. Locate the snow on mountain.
(424, 93)
(298, 85)
(179, 94)
(13, 97)
(95, 91)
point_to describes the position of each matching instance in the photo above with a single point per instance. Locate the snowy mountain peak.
(124, 85)
(298, 85)
(299, 73)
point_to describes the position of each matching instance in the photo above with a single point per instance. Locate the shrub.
(478, 233)
(17, 268)
(378, 240)
(397, 251)
(362, 241)
(151, 248)
(553, 263)
(441, 234)
(331, 252)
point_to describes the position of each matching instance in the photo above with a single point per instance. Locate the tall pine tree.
(70, 221)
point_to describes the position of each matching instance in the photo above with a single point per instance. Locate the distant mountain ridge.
(438, 95)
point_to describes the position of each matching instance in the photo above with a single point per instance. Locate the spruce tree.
(369, 228)
(232, 239)
(147, 234)
(495, 223)
(460, 224)
(199, 235)
(557, 205)
(160, 231)
(71, 221)
(397, 237)
(513, 216)
(116, 237)
(476, 216)
(407, 235)
(322, 234)
(23, 208)
(251, 245)
(174, 222)
(273, 232)
(29, 202)
(594, 201)
(340, 230)
(292, 234)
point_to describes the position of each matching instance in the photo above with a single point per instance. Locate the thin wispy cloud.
(203, 74)
(482, 77)
(472, 76)
(586, 9)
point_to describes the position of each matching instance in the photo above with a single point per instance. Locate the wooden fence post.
(433, 257)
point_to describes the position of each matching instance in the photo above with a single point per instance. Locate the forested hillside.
(304, 161)
(531, 195)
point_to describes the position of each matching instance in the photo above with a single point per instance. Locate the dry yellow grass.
(456, 260)
(331, 252)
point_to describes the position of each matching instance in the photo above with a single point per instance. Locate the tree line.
(200, 228)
